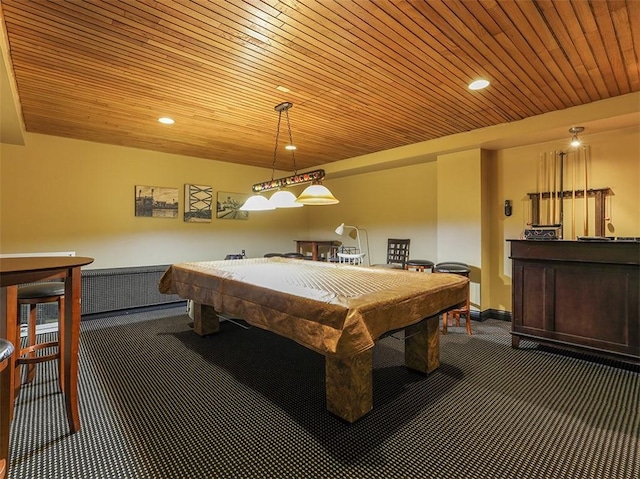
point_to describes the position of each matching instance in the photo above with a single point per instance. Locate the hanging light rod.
(300, 178)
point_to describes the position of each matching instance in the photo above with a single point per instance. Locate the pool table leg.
(422, 345)
(349, 385)
(205, 319)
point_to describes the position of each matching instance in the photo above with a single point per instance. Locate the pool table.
(337, 310)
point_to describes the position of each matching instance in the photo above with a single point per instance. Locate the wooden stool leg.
(61, 341)
(5, 417)
(16, 369)
(445, 320)
(468, 316)
(31, 340)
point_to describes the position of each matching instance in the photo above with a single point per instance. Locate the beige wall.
(460, 222)
(395, 203)
(614, 163)
(58, 194)
(65, 195)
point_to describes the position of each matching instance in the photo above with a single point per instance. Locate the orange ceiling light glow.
(479, 84)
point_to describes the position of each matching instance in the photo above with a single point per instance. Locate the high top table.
(16, 271)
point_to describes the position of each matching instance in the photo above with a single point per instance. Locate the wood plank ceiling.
(363, 75)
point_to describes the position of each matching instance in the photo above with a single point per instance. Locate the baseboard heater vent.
(113, 289)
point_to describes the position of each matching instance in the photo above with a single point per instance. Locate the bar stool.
(294, 255)
(6, 350)
(420, 265)
(464, 270)
(33, 295)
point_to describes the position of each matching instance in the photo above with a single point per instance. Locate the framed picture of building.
(197, 203)
(156, 201)
(228, 206)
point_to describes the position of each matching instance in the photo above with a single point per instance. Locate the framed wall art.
(228, 206)
(197, 203)
(156, 201)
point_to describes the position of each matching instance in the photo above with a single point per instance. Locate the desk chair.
(40, 293)
(397, 254)
(464, 270)
(6, 350)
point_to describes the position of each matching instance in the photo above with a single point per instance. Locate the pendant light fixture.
(315, 194)
(575, 141)
(284, 198)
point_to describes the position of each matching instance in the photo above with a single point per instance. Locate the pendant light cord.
(293, 155)
(275, 150)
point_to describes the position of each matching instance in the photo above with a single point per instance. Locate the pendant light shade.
(257, 203)
(284, 199)
(317, 194)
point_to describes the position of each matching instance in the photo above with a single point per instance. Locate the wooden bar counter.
(578, 295)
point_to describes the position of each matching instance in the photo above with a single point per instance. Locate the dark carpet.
(159, 402)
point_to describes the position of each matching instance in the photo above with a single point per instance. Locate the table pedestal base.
(349, 385)
(349, 381)
(205, 319)
(422, 345)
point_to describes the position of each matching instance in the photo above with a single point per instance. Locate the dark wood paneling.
(577, 294)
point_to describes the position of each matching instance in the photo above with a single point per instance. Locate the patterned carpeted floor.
(159, 402)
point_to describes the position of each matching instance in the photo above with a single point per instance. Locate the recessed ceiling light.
(283, 89)
(478, 84)
(166, 121)
(290, 147)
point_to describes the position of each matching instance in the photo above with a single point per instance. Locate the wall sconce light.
(508, 209)
(315, 194)
(575, 141)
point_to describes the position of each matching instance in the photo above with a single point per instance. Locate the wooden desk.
(16, 271)
(315, 246)
(337, 310)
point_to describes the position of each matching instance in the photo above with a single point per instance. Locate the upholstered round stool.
(294, 255)
(6, 350)
(273, 255)
(33, 295)
(420, 265)
(464, 270)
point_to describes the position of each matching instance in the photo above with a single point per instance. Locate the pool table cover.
(333, 309)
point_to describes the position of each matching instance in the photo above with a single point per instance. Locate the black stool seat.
(294, 255)
(419, 264)
(453, 267)
(41, 290)
(273, 255)
(6, 349)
